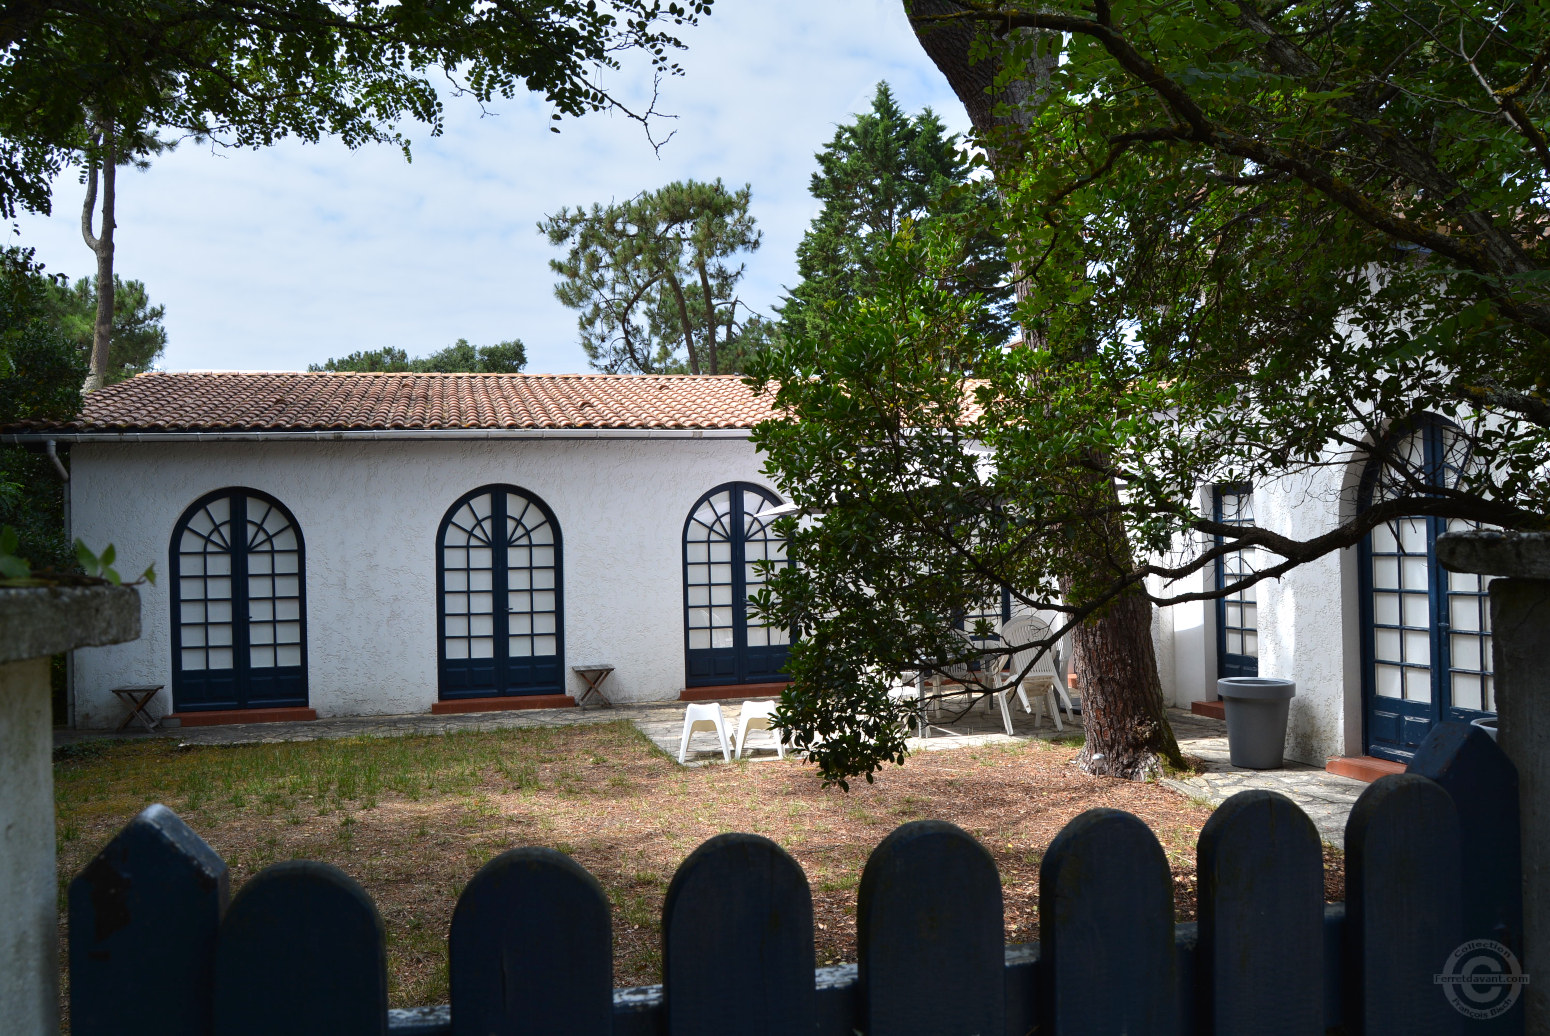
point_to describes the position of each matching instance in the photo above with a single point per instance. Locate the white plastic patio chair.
(979, 669)
(1023, 632)
(704, 716)
(755, 715)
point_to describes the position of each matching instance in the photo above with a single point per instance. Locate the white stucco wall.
(369, 512)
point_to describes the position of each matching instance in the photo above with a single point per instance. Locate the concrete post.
(1520, 623)
(38, 622)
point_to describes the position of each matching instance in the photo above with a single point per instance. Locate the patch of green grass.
(1073, 740)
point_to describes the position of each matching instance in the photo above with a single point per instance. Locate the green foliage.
(880, 171)
(1253, 244)
(249, 76)
(100, 566)
(457, 358)
(12, 565)
(654, 282)
(138, 336)
(41, 372)
(1297, 227)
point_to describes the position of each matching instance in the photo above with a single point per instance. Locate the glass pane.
(481, 647)
(194, 636)
(1418, 647)
(219, 634)
(457, 625)
(721, 638)
(193, 659)
(218, 564)
(1251, 645)
(699, 639)
(696, 552)
(1385, 609)
(1417, 611)
(287, 633)
(455, 557)
(1384, 540)
(1464, 613)
(457, 649)
(481, 625)
(1389, 681)
(1412, 535)
(698, 595)
(480, 557)
(261, 633)
(482, 604)
(192, 611)
(218, 611)
(543, 601)
(544, 645)
(543, 622)
(519, 624)
(1467, 692)
(1466, 655)
(1418, 684)
(1415, 573)
(519, 647)
(260, 610)
(543, 557)
(1385, 573)
(262, 657)
(260, 564)
(288, 654)
(1387, 645)
(220, 658)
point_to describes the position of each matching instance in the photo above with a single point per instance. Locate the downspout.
(64, 477)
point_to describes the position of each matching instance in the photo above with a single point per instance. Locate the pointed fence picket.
(300, 949)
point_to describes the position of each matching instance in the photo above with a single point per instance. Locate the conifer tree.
(883, 169)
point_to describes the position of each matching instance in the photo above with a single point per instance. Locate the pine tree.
(878, 172)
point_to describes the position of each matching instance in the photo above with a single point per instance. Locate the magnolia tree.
(1251, 243)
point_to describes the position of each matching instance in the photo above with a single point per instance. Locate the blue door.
(238, 605)
(500, 616)
(724, 541)
(1427, 631)
(1237, 613)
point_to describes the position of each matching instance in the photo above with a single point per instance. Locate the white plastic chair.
(704, 716)
(1041, 675)
(755, 715)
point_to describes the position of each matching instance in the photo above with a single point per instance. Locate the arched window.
(238, 604)
(1426, 631)
(500, 616)
(724, 540)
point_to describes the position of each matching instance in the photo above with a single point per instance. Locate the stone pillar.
(37, 623)
(1520, 624)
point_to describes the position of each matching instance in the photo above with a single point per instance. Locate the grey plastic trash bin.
(1256, 708)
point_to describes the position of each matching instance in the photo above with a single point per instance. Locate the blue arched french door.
(724, 541)
(238, 592)
(1426, 631)
(499, 612)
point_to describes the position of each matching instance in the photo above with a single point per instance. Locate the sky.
(275, 258)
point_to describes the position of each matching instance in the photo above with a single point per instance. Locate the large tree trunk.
(102, 245)
(1128, 734)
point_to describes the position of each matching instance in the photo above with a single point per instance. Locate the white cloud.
(273, 259)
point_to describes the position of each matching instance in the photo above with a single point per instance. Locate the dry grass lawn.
(412, 818)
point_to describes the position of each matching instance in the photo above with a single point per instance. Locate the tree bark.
(102, 245)
(1115, 662)
(686, 323)
(710, 315)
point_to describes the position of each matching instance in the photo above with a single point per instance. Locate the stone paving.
(1325, 797)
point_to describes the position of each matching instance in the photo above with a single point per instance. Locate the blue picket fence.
(1432, 859)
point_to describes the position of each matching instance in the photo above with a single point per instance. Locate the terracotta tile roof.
(232, 401)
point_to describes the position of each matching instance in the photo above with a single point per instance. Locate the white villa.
(458, 542)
